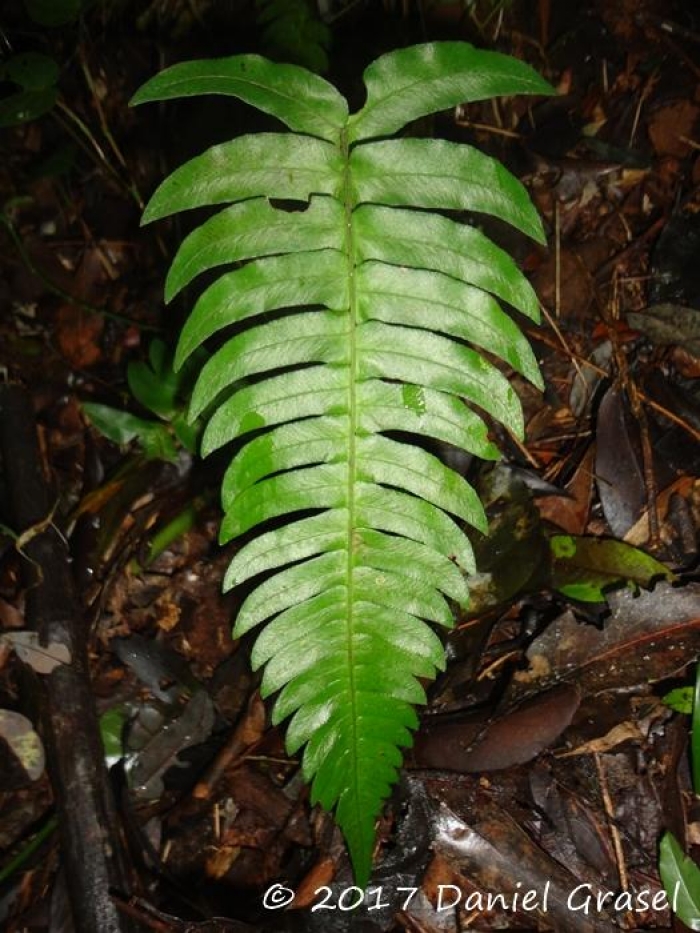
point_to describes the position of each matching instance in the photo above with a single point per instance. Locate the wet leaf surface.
(648, 637)
(511, 738)
(666, 324)
(493, 851)
(165, 740)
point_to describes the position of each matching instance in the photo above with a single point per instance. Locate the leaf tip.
(537, 379)
(149, 214)
(171, 290)
(361, 859)
(141, 95)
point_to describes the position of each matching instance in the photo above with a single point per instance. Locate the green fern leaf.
(358, 314)
(301, 100)
(423, 79)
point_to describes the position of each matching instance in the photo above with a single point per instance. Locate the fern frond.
(363, 315)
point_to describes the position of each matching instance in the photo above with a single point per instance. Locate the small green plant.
(679, 874)
(359, 312)
(32, 76)
(164, 392)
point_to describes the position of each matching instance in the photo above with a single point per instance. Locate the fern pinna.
(359, 314)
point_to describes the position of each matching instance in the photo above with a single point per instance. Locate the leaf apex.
(150, 213)
(139, 96)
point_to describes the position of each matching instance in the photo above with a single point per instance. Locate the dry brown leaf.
(571, 514)
(220, 861)
(79, 335)
(624, 732)
(42, 658)
(318, 876)
(669, 123)
(639, 532)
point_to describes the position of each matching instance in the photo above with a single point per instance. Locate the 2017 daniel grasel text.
(584, 898)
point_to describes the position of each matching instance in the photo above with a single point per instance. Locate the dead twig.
(93, 855)
(612, 823)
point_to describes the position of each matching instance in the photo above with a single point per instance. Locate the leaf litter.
(546, 753)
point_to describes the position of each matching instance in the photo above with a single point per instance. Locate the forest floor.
(548, 759)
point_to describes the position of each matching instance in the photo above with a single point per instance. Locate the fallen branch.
(92, 852)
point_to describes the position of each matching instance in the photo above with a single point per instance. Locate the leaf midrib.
(349, 206)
